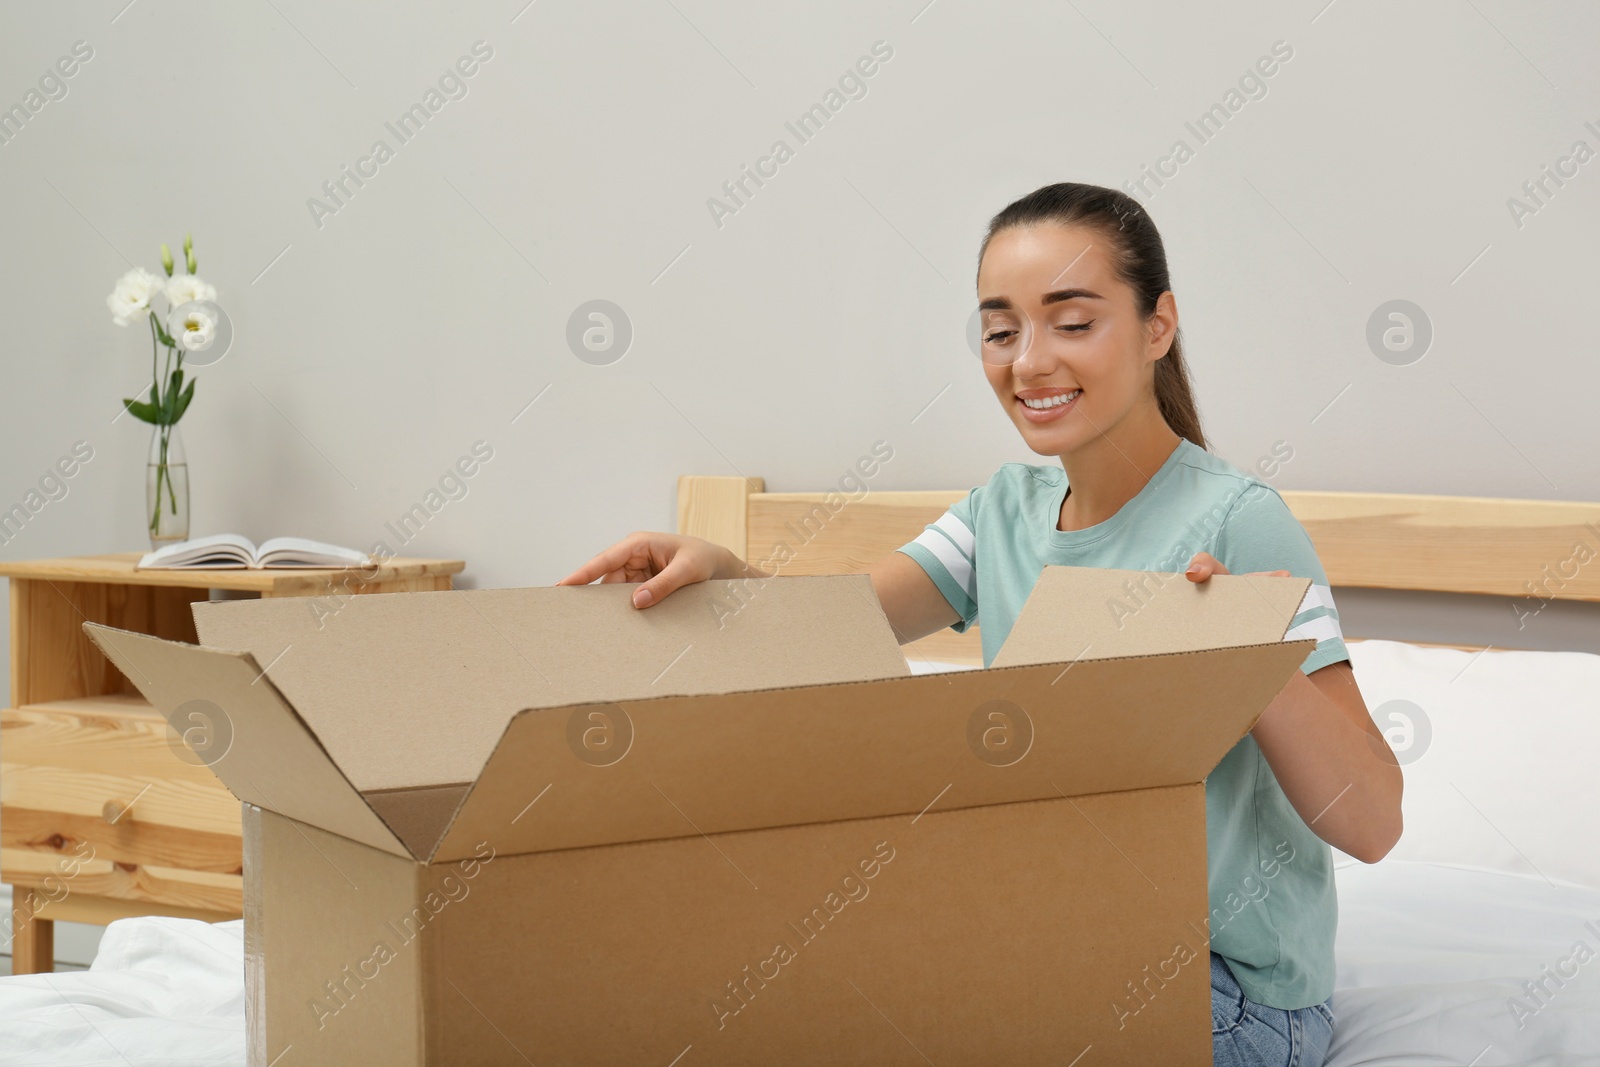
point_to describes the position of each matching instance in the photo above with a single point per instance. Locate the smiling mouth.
(1048, 402)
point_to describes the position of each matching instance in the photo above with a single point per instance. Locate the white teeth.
(1052, 401)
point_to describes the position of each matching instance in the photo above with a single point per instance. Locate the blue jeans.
(1247, 1034)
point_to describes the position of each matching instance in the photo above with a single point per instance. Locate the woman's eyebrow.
(1000, 303)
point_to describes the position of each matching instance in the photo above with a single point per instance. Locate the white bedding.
(1434, 944)
(1431, 960)
(160, 993)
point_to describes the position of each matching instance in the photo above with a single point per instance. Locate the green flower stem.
(172, 493)
(163, 471)
(155, 518)
(166, 431)
(166, 375)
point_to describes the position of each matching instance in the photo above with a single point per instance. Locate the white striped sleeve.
(947, 550)
(1318, 618)
(1260, 533)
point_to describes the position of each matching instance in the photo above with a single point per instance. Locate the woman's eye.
(997, 335)
(1078, 328)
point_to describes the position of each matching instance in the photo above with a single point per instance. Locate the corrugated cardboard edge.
(355, 818)
(255, 963)
(1056, 607)
(1304, 644)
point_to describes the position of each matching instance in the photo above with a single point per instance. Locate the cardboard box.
(540, 826)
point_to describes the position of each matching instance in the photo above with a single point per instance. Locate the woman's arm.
(1329, 757)
(913, 604)
(663, 562)
(1332, 762)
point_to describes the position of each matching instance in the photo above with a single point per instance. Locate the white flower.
(132, 295)
(184, 288)
(193, 330)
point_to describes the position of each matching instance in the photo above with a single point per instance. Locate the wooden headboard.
(1452, 544)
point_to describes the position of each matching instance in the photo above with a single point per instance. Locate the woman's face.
(1054, 321)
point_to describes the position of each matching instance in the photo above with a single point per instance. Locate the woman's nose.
(1032, 357)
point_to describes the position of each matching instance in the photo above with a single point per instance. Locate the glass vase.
(166, 488)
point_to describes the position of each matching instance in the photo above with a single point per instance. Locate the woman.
(1080, 344)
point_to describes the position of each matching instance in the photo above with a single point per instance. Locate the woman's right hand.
(661, 561)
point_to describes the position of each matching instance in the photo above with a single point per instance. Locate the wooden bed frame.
(1499, 547)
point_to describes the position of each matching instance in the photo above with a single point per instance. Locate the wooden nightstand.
(103, 812)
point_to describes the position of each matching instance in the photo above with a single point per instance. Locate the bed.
(1476, 942)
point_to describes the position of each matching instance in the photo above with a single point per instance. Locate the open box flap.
(253, 740)
(1080, 613)
(640, 770)
(411, 690)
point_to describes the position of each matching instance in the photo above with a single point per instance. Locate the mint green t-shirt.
(1270, 878)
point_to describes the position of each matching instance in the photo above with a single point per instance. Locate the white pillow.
(1500, 751)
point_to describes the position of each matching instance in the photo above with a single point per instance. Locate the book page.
(304, 552)
(215, 552)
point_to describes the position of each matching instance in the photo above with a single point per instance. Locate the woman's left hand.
(1204, 565)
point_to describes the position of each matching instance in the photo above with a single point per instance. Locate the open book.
(232, 552)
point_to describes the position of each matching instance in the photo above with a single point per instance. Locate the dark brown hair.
(1140, 261)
